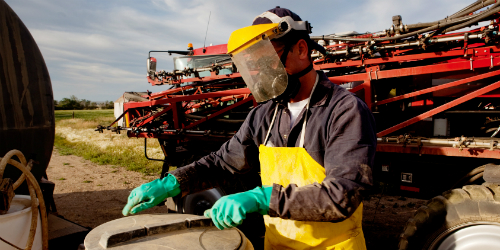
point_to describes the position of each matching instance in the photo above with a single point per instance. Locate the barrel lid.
(162, 231)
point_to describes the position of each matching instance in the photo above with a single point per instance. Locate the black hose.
(446, 20)
(473, 7)
(480, 17)
(435, 25)
(494, 9)
(469, 176)
(466, 8)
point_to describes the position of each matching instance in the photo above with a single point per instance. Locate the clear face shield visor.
(262, 70)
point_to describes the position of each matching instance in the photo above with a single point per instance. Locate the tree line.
(73, 102)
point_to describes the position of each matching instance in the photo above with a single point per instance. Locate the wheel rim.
(484, 236)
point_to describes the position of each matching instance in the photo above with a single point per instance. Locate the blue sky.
(97, 49)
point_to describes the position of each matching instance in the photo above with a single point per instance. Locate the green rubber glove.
(151, 194)
(230, 211)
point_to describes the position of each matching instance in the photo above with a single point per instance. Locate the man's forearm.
(333, 200)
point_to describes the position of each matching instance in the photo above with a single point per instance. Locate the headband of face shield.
(285, 24)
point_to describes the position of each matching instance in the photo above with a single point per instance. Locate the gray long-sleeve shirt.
(340, 136)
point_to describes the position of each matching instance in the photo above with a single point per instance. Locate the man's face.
(279, 47)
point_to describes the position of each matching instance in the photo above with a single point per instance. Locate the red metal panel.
(368, 92)
(188, 98)
(436, 150)
(443, 86)
(407, 188)
(436, 68)
(176, 112)
(441, 108)
(172, 91)
(357, 88)
(211, 50)
(404, 58)
(490, 96)
(349, 78)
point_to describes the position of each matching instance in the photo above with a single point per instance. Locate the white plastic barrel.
(15, 225)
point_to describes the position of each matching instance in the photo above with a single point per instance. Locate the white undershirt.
(297, 107)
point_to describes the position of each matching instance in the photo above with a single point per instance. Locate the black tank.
(26, 99)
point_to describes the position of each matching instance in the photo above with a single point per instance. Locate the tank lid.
(158, 231)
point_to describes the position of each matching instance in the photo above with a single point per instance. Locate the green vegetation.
(102, 116)
(86, 181)
(62, 179)
(73, 102)
(77, 137)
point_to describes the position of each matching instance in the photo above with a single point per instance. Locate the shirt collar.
(323, 90)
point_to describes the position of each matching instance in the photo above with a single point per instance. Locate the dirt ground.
(91, 194)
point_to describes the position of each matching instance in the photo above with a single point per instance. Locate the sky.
(97, 49)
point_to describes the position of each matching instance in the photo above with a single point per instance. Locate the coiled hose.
(34, 190)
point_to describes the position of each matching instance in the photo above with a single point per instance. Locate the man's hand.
(230, 211)
(151, 194)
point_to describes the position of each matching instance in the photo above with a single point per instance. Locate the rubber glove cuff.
(151, 194)
(230, 210)
(263, 198)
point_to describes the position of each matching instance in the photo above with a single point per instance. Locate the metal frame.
(216, 88)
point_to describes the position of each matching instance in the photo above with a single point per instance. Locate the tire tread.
(453, 208)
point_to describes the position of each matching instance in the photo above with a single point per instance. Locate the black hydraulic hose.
(434, 27)
(466, 8)
(469, 176)
(473, 7)
(446, 20)
(494, 9)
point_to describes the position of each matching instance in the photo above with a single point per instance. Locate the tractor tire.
(199, 202)
(464, 218)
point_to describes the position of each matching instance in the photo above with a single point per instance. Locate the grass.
(86, 115)
(62, 179)
(77, 137)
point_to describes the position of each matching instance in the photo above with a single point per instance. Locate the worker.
(313, 141)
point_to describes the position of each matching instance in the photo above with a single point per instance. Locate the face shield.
(262, 70)
(260, 67)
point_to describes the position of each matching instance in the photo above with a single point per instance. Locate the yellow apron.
(285, 165)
